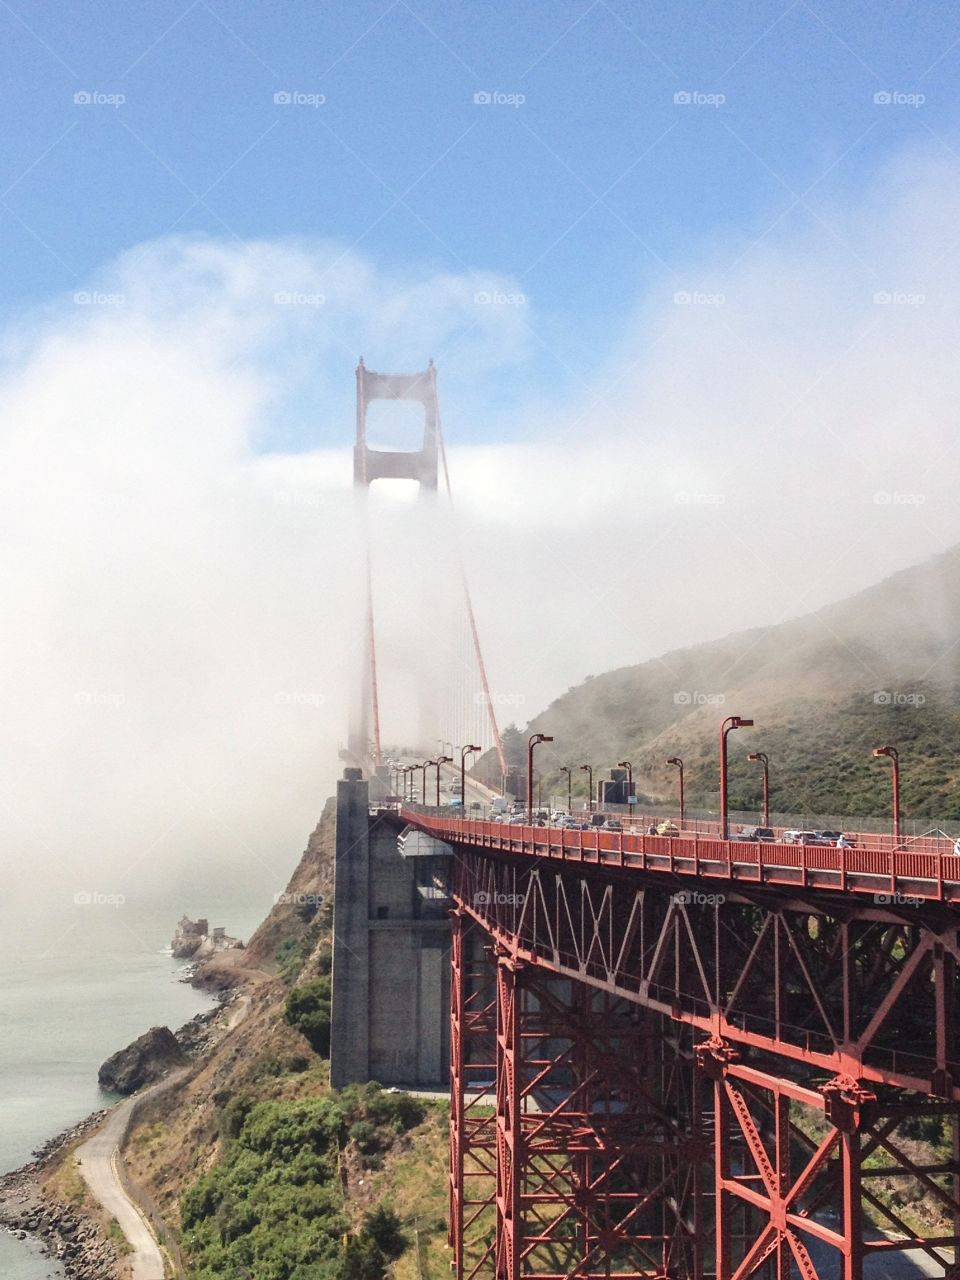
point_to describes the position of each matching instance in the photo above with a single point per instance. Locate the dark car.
(756, 833)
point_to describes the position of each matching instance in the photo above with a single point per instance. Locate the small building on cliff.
(193, 940)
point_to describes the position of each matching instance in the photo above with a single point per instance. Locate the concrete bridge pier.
(391, 951)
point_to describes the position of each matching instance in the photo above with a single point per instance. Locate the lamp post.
(731, 723)
(588, 769)
(427, 764)
(532, 741)
(761, 758)
(625, 764)
(894, 756)
(678, 763)
(464, 752)
(565, 768)
(438, 762)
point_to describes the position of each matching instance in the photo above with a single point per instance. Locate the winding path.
(100, 1157)
(98, 1160)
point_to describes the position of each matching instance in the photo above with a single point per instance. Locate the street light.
(533, 741)
(731, 722)
(438, 762)
(625, 764)
(762, 758)
(464, 752)
(894, 756)
(427, 764)
(588, 769)
(678, 763)
(565, 768)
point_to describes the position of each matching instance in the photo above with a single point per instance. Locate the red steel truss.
(578, 1146)
(654, 1079)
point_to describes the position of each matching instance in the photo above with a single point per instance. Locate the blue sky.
(592, 192)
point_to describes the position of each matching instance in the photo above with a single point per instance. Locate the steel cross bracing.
(653, 1077)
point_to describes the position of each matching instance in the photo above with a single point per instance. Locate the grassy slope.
(263, 1058)
(811, 684)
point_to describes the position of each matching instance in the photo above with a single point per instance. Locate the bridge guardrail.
(919, 876)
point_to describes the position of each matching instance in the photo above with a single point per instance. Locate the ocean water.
(22, 1260)
(78, 982)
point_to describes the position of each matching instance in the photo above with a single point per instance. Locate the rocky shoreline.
(66, 1233)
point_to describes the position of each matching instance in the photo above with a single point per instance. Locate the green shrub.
(308, 1009)
(383, 1227)
(290, 957)
(365, 1135)
(361, 1260)
(271, 1207)
(233, 1112)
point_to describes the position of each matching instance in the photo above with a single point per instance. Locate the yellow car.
(668, 829)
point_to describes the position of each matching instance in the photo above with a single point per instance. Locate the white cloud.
(182, 633)
(740, 462)
(180, 576)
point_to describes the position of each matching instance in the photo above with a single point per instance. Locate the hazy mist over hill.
(823, 690)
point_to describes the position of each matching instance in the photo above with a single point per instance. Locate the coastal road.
(98, 1160)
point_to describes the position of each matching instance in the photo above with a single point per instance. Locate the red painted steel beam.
(622, 1148)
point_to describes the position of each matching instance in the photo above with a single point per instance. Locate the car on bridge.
(766, 834)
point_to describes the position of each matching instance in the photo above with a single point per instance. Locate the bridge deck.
(890, 878)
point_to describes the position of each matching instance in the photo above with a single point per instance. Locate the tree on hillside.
(514, 747)
(308, 1009)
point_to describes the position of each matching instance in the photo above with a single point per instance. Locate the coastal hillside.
(250, 1164)
(825, 688)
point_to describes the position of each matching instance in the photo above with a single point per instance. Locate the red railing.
(905, 877)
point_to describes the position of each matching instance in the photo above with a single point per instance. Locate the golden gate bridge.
(683, 1055)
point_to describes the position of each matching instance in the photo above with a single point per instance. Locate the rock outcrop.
(146, 1060)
